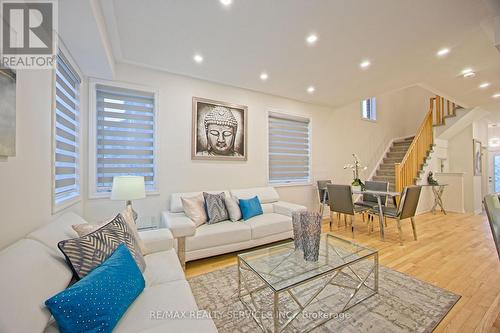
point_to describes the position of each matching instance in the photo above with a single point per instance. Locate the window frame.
(92, 141)
(291, 116)
(58, 207)
(373, 103)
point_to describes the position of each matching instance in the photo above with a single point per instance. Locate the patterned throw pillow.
(216, 208)
(97, 302)
(127, 214)
(86, 253)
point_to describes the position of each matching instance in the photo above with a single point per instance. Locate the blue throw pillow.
(250, 208)
(99, 300)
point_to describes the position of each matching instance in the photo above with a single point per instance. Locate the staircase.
(403, 164)
(396, 153)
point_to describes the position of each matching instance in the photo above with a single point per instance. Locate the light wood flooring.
(455, 252)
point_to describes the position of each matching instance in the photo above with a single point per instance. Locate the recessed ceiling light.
(311, 89)
(312, 39)
(468, 72)
(264, 76)
(443, 52)
(497, 95)
(484, 85)
(226, 2)
(198, 58)
(365, 64)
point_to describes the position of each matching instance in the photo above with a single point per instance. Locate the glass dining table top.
(282, 267)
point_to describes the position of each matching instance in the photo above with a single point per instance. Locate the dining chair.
(323, 194)
(369, 200)
(340, 201)
(405, 210)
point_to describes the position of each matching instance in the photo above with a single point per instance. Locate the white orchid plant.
(356, 167)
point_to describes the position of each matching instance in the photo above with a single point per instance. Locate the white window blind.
(67, 129)
(125, 142)
(369, 109)
(289, 149)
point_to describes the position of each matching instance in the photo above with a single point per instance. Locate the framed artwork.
(7, 113)
(477, 157)
(219, 131)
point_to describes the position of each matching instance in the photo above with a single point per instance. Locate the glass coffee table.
(277, 285)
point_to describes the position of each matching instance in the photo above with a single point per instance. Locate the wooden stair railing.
(443, 109)
(407, 170)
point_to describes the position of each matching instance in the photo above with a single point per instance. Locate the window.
(369, 109)
(124, 123)
(66, 170)
(289, 149)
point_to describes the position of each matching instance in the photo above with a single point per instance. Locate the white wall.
(336, 134)
(26, 181)
(25, 194)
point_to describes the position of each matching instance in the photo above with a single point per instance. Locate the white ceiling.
(400, 37)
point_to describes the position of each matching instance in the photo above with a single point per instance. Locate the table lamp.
(128, 188)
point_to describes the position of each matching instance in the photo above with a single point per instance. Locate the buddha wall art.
(219, 131)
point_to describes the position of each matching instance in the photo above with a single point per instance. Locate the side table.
(438, 190)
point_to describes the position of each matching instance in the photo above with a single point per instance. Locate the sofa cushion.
(265, 194)
(221, 233)
(56, 231)
(269, 224)
(87, 252)
(115, 284)
(194, 208)
(215, 207)
(31, 273)
(233, 208)
(162, 267)
(250, 208)
(176, 203)
(150, 311)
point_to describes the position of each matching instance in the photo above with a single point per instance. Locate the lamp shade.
(128, 188)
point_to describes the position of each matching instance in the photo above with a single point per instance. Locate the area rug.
(403, 304)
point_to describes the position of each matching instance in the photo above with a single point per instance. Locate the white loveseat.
(223, 237)
(33, 270)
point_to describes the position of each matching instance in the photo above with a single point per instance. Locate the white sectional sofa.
(227, 236)
(33, 270)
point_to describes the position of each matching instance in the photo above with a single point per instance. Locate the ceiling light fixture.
(264, 76)
(497, 95)
(443, 52)
(484, 85)
(365, 64)
(226, 2)
(311, 89)
(312, 39)
(468, 72)
(198, 58)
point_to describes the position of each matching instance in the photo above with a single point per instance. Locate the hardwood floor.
(455, 252)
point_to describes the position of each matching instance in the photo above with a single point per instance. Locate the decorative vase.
(297, 230)
(356, 188)
(311, 233)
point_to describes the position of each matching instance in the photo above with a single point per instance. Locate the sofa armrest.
(157, 240)
(179, 224)
(286, 208)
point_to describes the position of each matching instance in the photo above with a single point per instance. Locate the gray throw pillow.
(85, 253)
(216, 208)
(233, 208)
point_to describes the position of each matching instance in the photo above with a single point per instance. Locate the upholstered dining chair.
(340, 201)
(323, 194)
(405, 210)
(369, 200)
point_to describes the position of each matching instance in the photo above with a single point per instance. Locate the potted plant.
(356, 167)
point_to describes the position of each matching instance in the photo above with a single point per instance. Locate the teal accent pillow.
(250, 208)
(98, 301)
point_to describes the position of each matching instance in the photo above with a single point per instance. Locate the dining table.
(379, 195)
